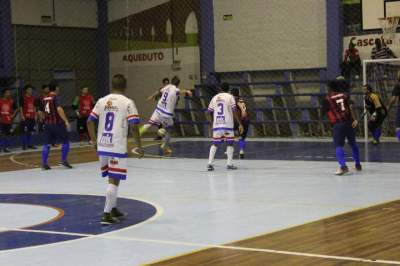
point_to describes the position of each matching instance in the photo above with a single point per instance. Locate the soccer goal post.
(382, 75)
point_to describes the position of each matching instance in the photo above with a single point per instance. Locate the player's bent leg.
(351, 138)
(213, 151)
(339, 137)
(111, 201)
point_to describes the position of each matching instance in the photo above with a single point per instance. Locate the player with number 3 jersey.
(338, 107)
(224, 110)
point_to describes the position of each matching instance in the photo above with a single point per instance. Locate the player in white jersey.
(116, 114)
(165, 110)
(223, 107)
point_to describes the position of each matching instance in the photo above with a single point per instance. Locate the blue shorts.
(343, 131)
(55, 133)
(28, 125)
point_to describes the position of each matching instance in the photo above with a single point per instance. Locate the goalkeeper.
(377, 112)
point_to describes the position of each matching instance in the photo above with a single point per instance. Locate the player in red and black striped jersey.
(83, 105)
(338, 106)
(8, 111)
(28, 117)
(38, 104)
(244, 118)
(56, 127)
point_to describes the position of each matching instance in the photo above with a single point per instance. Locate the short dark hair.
(5, 90)
(175, 81)
(119, 82)
(235, 92)
(44, 86)
(333, 85)
(165, 80)
(27, 87)
(53, 86)
(369, 87)
(225, 87)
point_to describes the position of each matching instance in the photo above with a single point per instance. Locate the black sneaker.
(241, 155)
(210, 167)
(117, 213)
(231, 167)
(46, 167)
(66, 164)
(107, 219)
(32, 147)
(358, 167)
(6, 150)
(24, 148)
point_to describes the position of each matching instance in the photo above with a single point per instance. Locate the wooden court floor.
(369, 236)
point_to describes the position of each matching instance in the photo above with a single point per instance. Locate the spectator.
(352, 62)
(28, 117)
(381, 51)
(83, 105)
(8, 111)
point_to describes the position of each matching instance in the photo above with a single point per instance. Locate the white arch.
(191, 25)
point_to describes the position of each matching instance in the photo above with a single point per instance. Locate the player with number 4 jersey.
(338, 107)
(116, 115)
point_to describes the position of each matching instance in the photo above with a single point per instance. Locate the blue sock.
(340, 156)
(24, 140)
(242, 144)
(377, 133)
(64, 151)
(29, 139)
(398, 134)
(45, 154)
(356, 154)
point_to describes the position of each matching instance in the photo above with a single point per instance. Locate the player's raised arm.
(154, 95)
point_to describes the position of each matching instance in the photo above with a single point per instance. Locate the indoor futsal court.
(199, 132)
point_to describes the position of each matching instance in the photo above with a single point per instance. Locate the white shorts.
(113, 167)
(223, 135)
(158, 119)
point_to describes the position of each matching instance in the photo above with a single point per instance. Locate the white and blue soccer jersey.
(223, 105)
(114, 112)
(167, 103)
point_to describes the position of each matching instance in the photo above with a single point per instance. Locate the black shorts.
(372, 125)
(246, 124)
(28, 125)
(82, 125)
(55, 133)
(5, 129)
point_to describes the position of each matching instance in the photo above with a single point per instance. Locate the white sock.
(145, 128)
(229, 153)
(167, 138)
(111, 198)
(213, 151)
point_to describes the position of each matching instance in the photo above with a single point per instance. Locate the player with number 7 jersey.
(338, 107)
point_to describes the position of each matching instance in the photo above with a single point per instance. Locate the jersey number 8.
(109, 121)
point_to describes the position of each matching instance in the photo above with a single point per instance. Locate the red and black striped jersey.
(49, 108)
(337, 106)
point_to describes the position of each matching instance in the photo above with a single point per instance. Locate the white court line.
(201, 245)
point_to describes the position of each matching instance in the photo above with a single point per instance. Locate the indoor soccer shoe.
(66, 165)
(117, 213)
(342, 171)
(241, 155)
(107, 219)
(6, 150)
(210, 167)
(46, 167)
(358, 167)
(231, 167)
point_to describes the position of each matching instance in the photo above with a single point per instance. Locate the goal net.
(382, 75)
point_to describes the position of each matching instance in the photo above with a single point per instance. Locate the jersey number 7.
(340, 102)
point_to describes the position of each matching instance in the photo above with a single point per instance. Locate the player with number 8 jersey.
(116, 114)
